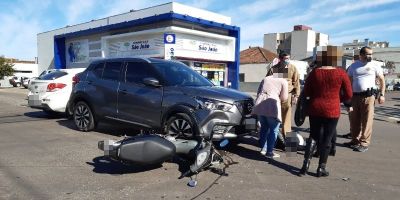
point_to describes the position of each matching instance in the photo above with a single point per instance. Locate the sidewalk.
(388, 112)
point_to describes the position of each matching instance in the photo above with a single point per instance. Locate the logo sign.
(169, 38)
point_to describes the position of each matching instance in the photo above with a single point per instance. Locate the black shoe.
(351, 145)
(304, 169)
(321, 171)
(332, 152)
(309, 151)
(361, 148)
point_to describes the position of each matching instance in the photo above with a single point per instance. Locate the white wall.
(323, 39)
(301, 67)
(303, 43)
(253, 72)
(270, 42)
(45, 48)
(388, 54)
(26, 67)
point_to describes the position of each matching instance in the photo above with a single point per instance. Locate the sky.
(342, 20)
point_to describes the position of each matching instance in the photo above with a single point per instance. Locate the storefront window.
(215, 72)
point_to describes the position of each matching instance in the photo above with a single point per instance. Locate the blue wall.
(233, 67)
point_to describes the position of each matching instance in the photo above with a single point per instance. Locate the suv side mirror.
(151, 82)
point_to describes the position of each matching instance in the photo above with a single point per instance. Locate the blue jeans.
(268, 132)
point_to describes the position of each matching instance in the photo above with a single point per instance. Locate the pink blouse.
(276, 90)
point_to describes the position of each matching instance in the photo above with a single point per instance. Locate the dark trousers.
(323, 130)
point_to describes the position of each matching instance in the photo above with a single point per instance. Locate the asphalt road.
(43, 157)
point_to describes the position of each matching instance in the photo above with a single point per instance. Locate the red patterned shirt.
(323, 87)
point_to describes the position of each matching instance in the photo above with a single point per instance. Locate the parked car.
(396, 86)
(15, 81)
(51, 91)
(25, 81)
(389, 87)
(157, 94)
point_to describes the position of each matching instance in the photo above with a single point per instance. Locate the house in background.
(22, 68)
(254, 64)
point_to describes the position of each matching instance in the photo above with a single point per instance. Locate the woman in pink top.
(272, 90)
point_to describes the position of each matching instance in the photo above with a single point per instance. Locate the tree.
(6, 68)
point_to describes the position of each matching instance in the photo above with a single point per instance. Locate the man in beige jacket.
(293, 80)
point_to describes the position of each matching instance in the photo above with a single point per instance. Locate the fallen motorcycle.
(156, 149)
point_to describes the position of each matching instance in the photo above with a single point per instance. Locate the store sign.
(77, 51)
(209, 48)
(138, 45)
(169, 38)
(206, 47)
(124, 47)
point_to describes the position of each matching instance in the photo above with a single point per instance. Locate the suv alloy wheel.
(179, 125)
(83, 117)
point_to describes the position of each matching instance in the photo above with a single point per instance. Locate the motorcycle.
(156, 149)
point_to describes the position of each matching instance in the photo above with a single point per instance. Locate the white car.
(51, 91)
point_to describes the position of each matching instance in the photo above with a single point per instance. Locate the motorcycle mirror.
(224, 142)
(192, 183)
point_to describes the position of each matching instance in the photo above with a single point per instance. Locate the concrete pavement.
(46, 158)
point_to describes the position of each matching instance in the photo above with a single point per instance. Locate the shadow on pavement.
(44, 115)
(27, 117)
(387, 111)
(255, 154)
(289, 168)
(105, 128)
(103, 165)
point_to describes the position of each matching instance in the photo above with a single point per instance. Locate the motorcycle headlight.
(210, 104)
(201, 158)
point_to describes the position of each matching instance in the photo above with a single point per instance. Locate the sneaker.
(351, 145)
(273, 155)
(361, 148)
(263, 152)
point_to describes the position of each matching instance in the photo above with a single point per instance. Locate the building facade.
(203, 40)
(21, 68)
(357, 44)
(299, 43)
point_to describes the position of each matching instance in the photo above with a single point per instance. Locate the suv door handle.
(90, 82)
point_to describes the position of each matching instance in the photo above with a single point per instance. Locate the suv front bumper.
(227, 124)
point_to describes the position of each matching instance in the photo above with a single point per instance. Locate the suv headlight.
(210, 104)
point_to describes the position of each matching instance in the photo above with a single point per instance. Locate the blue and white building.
(203, 40)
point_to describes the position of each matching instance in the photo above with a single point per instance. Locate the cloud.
(122, 6)
(19, 28)
(76, 11)
(253, 11)
(352, 6)
(373, 32)
(203, 4)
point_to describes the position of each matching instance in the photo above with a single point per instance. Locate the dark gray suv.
(157, 94)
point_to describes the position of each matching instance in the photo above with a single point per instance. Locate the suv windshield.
(53, 75)
(178, 74)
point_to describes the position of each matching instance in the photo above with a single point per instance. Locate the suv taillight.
(52, 87)
(75, 79)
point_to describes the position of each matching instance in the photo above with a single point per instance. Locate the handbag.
(301, 110)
